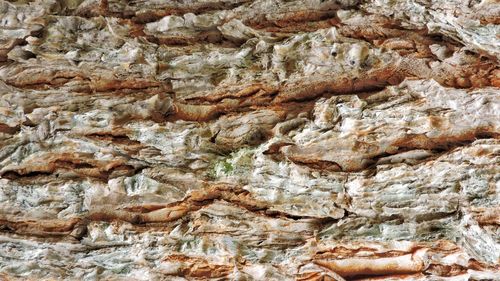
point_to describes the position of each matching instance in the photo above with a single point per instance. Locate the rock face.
(249, 140)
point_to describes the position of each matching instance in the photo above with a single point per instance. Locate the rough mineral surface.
(249, 140)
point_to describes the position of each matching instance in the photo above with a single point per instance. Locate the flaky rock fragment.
(249, 140)
(410, 263)
(245, 129)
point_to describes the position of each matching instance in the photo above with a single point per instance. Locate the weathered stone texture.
(249, 140)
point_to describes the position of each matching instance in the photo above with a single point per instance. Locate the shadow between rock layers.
(249, 140)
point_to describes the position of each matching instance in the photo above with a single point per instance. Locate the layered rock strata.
(249, 140)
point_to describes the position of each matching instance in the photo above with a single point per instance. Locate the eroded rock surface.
(249, 140)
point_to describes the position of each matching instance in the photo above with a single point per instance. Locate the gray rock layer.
(249, 140)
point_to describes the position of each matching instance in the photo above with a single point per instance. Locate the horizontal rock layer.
(249, 140)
